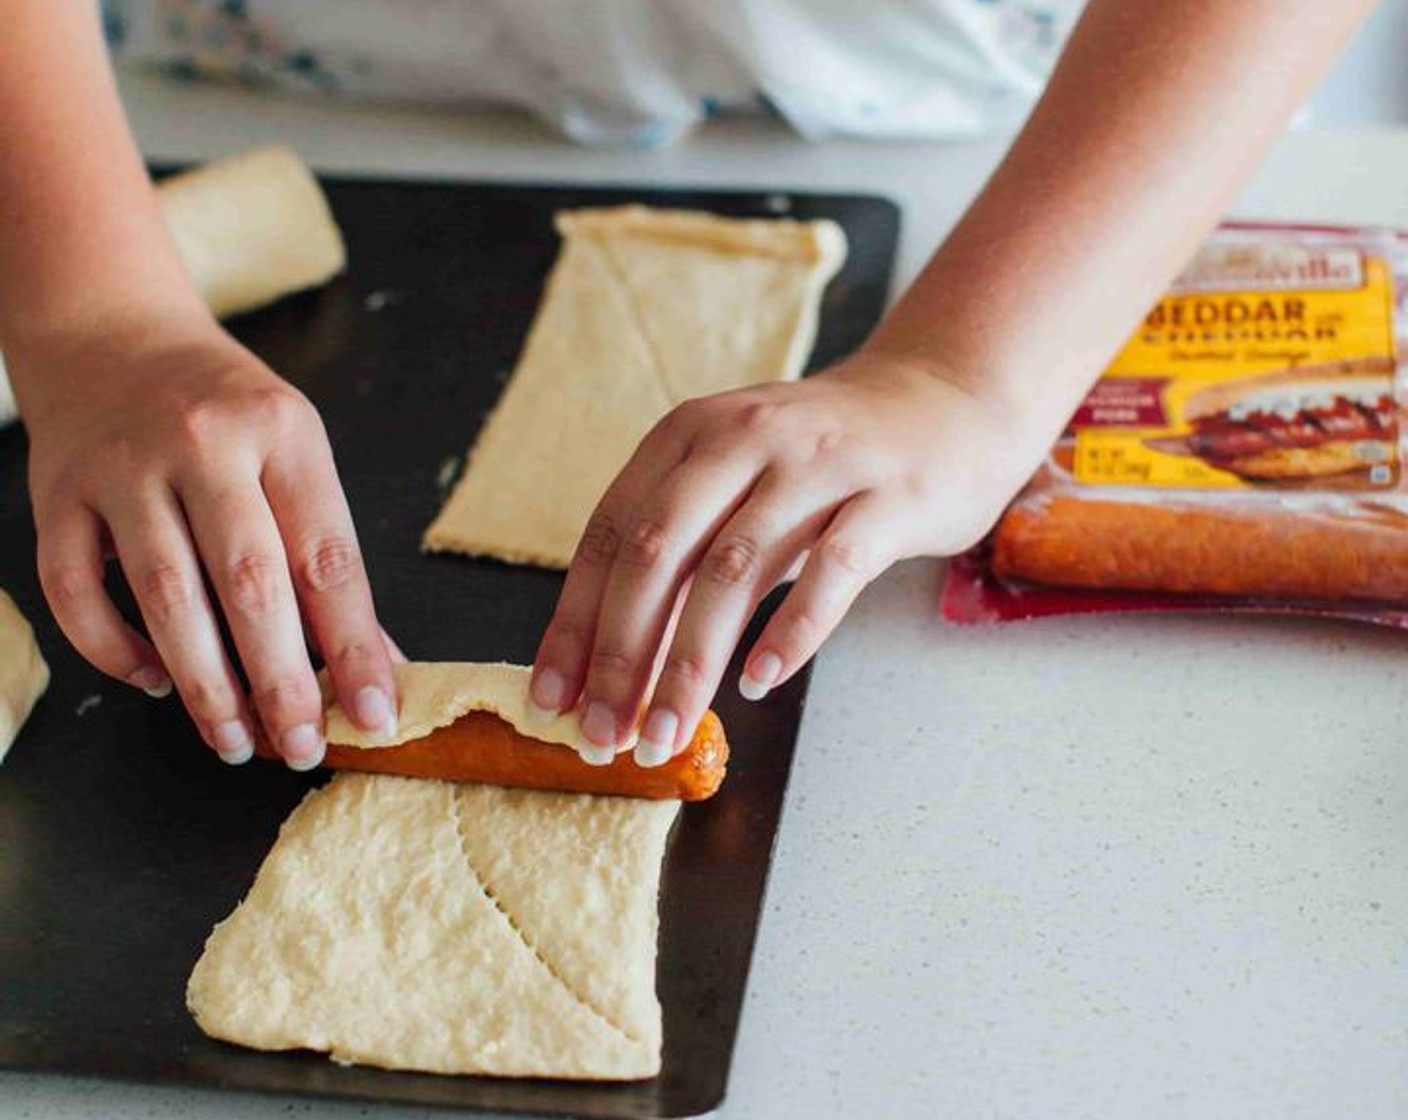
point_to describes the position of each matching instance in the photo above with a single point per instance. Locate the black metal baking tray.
(123, 841)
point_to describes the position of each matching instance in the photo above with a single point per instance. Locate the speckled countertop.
(1104, 868)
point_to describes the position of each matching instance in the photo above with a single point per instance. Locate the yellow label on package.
(1269, 365)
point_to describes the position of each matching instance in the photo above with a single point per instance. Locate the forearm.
(81, 240)
(1156, 115)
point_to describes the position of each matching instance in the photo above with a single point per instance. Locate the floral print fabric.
(634, 72)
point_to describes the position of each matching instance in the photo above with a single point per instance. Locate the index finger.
(561, 665)
(330, 579)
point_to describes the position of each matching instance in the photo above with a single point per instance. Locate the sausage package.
(1244, 451)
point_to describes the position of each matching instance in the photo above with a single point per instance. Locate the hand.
(173, 447)
(874, 461)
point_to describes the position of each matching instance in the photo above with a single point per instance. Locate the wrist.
(979, 378)
(998, 401)
(58, 365)
(105, 312)
(1033, 388)
(996, 442)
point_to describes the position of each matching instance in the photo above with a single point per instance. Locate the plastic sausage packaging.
(1244, 451)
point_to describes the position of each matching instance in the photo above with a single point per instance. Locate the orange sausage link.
(1277, 554)
(481, 747)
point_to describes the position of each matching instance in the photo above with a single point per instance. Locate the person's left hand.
(873, 461)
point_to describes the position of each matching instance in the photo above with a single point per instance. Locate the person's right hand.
(174, 448)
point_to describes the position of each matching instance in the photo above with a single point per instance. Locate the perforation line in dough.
(657, 364)
(457, 815)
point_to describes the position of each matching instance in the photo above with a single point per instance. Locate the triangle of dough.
(562, 429)
(726, 320)
(644, 309)
(593, 855)
(376, 931)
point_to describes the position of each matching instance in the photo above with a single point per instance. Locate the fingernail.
(373, 709)
(599, 724)
(760, 675)
(302, 747)
(545, 697)
(656, 744)
(152, 681)
(597, 756)
(233, 742)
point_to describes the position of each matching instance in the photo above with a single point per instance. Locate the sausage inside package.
(1246, 450)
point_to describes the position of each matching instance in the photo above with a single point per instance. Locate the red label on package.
(1127, 402)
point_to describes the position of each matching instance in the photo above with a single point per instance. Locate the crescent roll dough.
(644, 309)
(449, 927)
(251, 229)
(436, 693)
(24, 674)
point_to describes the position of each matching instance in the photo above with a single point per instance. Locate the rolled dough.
(24, 675)
(8, 411)
(644, 309)
(252, 228)
(436, 693)
(447, 928)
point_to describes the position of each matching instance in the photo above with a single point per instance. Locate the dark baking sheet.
(122, 840)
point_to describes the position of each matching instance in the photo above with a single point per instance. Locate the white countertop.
(1114, 868)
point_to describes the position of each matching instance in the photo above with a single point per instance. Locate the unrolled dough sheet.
(449, 928)
(24, 675)
(644, 309)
